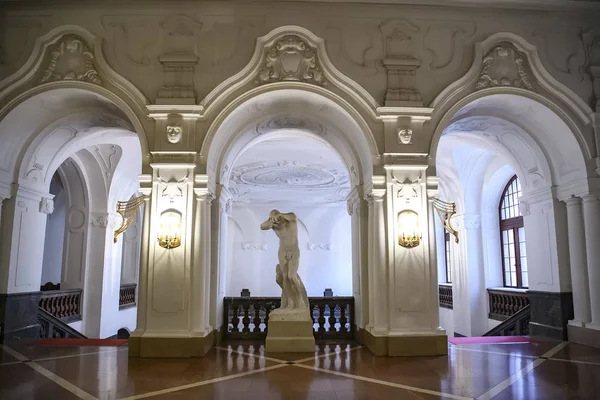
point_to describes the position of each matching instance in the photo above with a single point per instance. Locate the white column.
(353, 206)
(142, 300)
(379, 274)
(200, 273)
(578, 260)
(591, 219)
(431, 215)
(220, 214)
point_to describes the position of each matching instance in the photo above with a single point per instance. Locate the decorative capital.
(99, 220)
(46, 205)
(524, 207)
(71, 59)
(472, 221)
(291, 58)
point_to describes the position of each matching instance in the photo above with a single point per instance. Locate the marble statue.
(293, 293)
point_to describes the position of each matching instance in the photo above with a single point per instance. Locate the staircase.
(515, 325)
(52, 327)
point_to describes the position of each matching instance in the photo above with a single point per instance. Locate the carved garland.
(71, 59)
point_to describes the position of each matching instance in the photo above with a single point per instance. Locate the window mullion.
(518, 257)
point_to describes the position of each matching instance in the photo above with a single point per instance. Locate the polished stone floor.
(536, 371)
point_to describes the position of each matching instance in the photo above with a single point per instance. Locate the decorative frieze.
(71, 59)
(319, 246)
(253, 246)
(291, 58)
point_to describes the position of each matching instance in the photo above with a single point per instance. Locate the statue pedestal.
(290, 331)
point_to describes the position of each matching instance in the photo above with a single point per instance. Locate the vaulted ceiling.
(289, 166)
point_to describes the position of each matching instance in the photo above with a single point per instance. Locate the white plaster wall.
(55, 236)
(447, 321)
(126, 319)
(324, 236)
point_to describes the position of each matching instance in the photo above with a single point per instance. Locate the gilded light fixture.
(128, 209)
(408, 229)
(445, 211)
(169, 231)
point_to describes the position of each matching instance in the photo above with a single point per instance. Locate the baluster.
(257, 309)
(62, 309)
(68, 305)
(332, 319)
(314, 314)
(235, 320)
(321, 318)
(246, 318)
(343, 319)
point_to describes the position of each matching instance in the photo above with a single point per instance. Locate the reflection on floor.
(536, 371)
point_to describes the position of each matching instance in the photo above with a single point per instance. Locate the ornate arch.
(69, 56)
(290, 54)
(507, 64)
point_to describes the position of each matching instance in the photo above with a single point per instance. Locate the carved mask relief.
(174, 133)
(404, 136)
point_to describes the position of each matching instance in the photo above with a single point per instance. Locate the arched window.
(448, 257)
(512, 236)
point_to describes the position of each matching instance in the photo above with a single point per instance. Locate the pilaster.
(579, 273)
(405, 320)
(591, 224)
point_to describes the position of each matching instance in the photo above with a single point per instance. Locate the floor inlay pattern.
(236, 371)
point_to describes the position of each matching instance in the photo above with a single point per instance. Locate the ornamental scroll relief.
(291, 58)
(71, 59)
(504, 65)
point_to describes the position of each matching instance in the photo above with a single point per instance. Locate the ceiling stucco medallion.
(288, 174)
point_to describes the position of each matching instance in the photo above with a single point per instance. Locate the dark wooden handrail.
(248, 317)
(445, 295)
(127, 296)
(504, 303)
(516, 325)
(52, 327)
(62, 304)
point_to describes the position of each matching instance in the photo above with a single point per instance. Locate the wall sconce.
(169, 231)
(408, 229)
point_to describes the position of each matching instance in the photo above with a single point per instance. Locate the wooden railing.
(62, 304)
(516, 325)
(505, 303)
(248, 317)
(127, 296)
(52, 327)
(445, 295)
